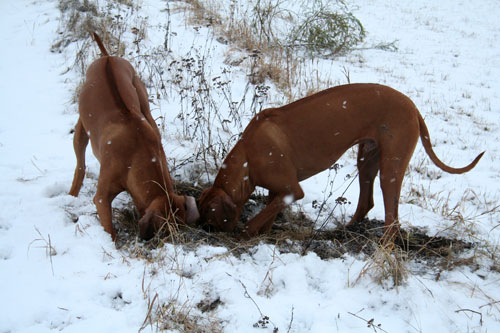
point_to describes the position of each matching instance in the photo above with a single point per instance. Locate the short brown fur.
(283, 146)
(115, 116)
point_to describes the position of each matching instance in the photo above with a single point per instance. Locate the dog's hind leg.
(392, 170)
(368, 166)
(80, 141)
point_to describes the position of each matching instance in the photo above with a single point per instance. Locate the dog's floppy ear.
(223, 212)
(178, 207)
(146, 228)
(229, 212)
(151, 223)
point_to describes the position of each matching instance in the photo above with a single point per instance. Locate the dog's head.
(167, 209)
(217, 210)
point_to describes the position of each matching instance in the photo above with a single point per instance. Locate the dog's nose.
(192, 213)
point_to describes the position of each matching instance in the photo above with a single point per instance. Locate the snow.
(58, 275)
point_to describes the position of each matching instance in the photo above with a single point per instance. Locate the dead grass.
(172, 316)
(387, 263)
(280, 60)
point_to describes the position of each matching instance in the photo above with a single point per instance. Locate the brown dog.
(283, 146)
(114, 114)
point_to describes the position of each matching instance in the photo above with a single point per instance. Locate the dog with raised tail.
(281, 147)
(115, 116)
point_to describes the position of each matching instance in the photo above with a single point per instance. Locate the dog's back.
(109, 88)
(114, 100)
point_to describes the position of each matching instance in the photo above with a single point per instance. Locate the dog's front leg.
(279, 176)
(263, 221)
(107, 190)
(104, 212)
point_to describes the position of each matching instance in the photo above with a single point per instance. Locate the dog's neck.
(234, 176)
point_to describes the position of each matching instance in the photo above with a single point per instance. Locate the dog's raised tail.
(119, 80)
(426, 142)
(100, 44)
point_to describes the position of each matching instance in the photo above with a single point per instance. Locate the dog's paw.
(245, 234)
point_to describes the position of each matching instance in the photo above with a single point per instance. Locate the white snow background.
(57, 275)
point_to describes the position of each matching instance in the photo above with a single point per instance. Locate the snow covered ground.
(59, 275)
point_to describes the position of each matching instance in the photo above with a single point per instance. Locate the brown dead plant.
(387, 263)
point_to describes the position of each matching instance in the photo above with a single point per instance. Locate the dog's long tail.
(426, 142)
(124, 93)
(100, 44)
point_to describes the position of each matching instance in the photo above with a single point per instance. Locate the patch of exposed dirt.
(294, 232)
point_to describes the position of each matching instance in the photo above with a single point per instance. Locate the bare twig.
(291, 322)
(476, 312)
(370, 323)
(263, 320)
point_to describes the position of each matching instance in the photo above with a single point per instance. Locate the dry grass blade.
(47, 245)
(149, 314)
